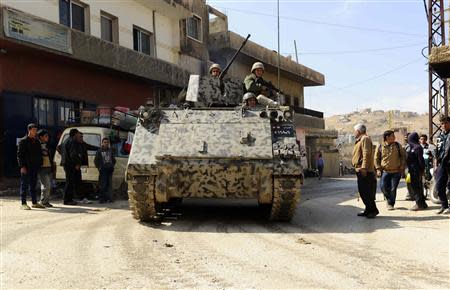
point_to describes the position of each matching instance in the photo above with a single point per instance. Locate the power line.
(357, 51)
(380, 75)
(247, 12)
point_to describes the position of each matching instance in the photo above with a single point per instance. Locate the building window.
(66, 113)
(143, 41)
(109, 27)
(44, 111)
(72, 14)
(194, 27)
(50, 112)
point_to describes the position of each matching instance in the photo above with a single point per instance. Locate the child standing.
(105, 161)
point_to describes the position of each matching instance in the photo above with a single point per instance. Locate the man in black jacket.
(29, 158)
(71, 155)
(443, 162)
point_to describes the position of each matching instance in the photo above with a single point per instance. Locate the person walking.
(29, 159)
(363, 162)
(320, 164)
(416, 168)
(105, 160)
(443, 162)
(390, 162)
(45, 173)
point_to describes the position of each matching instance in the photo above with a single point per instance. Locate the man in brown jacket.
(390, 162)
(363, 162)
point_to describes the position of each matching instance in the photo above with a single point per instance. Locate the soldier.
(215, 70)
(250, 100)
(255, 83)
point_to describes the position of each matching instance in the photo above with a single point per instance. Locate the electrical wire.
(356, 51)
(380, 75)
(248, 12)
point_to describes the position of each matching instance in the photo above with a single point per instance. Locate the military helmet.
(257, 65)
(248, 96)
(214, 65)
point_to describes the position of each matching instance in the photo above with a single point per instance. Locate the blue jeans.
(105, 178)
(441, 184)
(28, 183)
(389, 183)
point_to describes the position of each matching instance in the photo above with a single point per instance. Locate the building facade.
(63, 56)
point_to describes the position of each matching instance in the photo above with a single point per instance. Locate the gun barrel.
(224, 72)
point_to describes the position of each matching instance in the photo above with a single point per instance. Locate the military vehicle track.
(142, 204)
(286, 195)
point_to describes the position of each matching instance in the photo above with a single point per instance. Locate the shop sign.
(35, 30)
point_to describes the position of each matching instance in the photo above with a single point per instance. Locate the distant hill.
(378, 121)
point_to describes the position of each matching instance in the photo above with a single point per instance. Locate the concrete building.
(65, 55)
(62, 56)
(294, 77)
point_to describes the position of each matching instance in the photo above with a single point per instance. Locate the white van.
(93, 135)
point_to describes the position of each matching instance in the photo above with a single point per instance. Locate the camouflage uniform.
(255, 85)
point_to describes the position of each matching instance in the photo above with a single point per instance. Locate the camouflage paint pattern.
(233, 152)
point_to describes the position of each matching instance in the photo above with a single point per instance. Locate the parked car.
(93, 136)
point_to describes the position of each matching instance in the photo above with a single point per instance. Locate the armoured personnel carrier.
(215, 148)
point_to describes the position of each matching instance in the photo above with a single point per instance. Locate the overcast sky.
(369, 51)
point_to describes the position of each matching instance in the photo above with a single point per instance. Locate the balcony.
(176, 9)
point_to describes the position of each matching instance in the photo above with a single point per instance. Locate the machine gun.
(268, 85)
(224, 72)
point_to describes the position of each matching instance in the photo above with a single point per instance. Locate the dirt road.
(227, 245)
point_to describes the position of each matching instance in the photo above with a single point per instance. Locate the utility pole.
(296, 53)
(278, 59)
(437, 87)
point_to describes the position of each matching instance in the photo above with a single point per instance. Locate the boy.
(45, 173)
(105, 161)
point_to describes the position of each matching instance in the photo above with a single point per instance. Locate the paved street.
(216, 244)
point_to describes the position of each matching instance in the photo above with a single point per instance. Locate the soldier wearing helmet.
(255, 83)
(250, 100)
(215, 70)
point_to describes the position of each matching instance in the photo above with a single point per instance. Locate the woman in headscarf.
(416, 168)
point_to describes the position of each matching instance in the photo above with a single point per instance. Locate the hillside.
(378, 121)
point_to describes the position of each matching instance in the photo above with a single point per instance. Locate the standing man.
(71, 155)
(46, 171)
(105, 161)
(215, 70)
(442, 162)
(427, 156)
(390, 162)
(30, 160)
(363, 162)
(416, 168)
(320, 164)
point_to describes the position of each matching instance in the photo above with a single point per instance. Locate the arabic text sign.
(31, 29)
